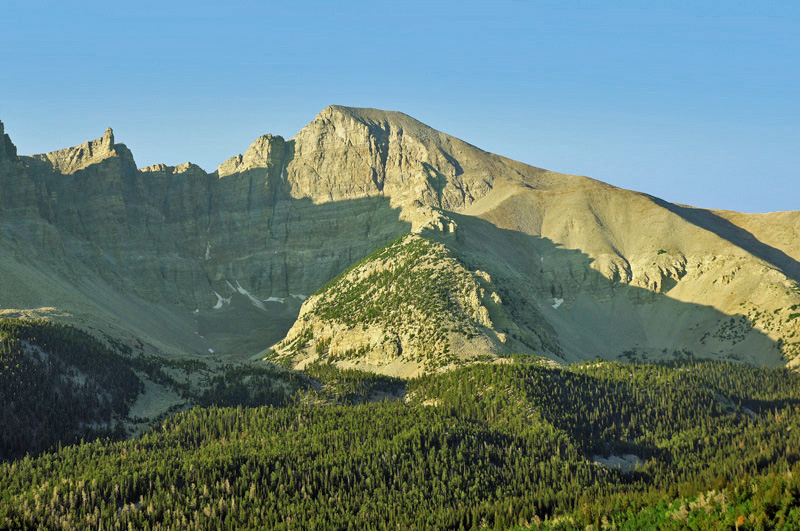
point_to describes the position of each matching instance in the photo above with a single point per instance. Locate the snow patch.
(258, 303)
(558, 302)
(208, 250)
(211, 351)
(625, 463)
(255, 301)
(196, 310)
(220, 301)
(299, 296)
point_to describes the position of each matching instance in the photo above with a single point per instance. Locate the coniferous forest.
(58, 384)
(518, 444)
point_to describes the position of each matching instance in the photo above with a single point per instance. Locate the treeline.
(249, 386)
(350, 386)
(58, 384)
(487, 446)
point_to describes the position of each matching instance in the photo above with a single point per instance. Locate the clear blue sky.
(694, 102)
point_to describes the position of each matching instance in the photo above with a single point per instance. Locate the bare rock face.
(346, 153)
(8, 151)
(183, 239)
(265, 153)
(20, 193)
(70, 160)
(192, 262)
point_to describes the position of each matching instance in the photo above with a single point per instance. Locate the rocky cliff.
(218, 264)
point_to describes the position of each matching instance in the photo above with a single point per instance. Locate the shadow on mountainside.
(148, 252)
(301, 247)
(736, 235)
(187, 241)
(558, 302)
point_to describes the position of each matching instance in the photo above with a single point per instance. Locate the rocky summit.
(401, 249)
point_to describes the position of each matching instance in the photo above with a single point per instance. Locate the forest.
(59, 384)
(516, 444)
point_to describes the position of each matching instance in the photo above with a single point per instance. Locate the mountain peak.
(351, 152)
(70, 160)
(185, 167)
(7, 149)
(365, 113)
(264, 151)
(376, 120)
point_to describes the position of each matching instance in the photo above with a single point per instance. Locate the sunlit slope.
(217, 264)
(638, 274)
(410, 307)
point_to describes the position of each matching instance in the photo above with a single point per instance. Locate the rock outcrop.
(68, 161)
(8, 151)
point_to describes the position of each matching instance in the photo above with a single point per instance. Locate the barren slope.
(217, 265)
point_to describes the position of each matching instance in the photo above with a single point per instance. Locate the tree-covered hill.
(400, 311)
(494, 445)
(58, 384)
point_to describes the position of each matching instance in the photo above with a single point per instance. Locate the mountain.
(502, 257)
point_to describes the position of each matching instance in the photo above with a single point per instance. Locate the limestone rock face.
(18, 193)
(181, 238)
(188, 261)
(266, 152)
(346, 153)
(70, 160)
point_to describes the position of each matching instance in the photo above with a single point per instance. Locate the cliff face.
(180, 238)
(346, 153)
(18, 192)
(280, 219)
(192, 261)
(177, 235)
(8, 151)
(69, 160)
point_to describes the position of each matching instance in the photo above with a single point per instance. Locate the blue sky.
(694, 102)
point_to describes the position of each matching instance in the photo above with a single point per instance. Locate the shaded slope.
(59, 385)
(423, 303)
(741, 237)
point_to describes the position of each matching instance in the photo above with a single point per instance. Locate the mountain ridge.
(222, 260)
